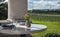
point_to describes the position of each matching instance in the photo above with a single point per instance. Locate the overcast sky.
(43, 4)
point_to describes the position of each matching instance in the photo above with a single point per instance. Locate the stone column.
(16, 9)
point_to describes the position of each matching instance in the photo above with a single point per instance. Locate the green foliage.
(3, 10)
(52, 35)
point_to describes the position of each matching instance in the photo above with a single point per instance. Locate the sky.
(43, 4)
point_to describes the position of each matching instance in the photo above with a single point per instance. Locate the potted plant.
(27, 18)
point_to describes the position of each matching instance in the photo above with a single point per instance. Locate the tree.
(3, 10)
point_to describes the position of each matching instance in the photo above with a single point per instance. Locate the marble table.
(19, 29)
(35, 28)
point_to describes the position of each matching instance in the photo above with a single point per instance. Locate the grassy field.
(51, 21)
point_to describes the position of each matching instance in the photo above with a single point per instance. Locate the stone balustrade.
(4, 21)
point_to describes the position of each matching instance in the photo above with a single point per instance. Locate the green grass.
(52, 22)
(51, 27)
(45, 17)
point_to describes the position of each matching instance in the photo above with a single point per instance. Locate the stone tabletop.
(35, 28)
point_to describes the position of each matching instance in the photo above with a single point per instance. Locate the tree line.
(45, 11)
